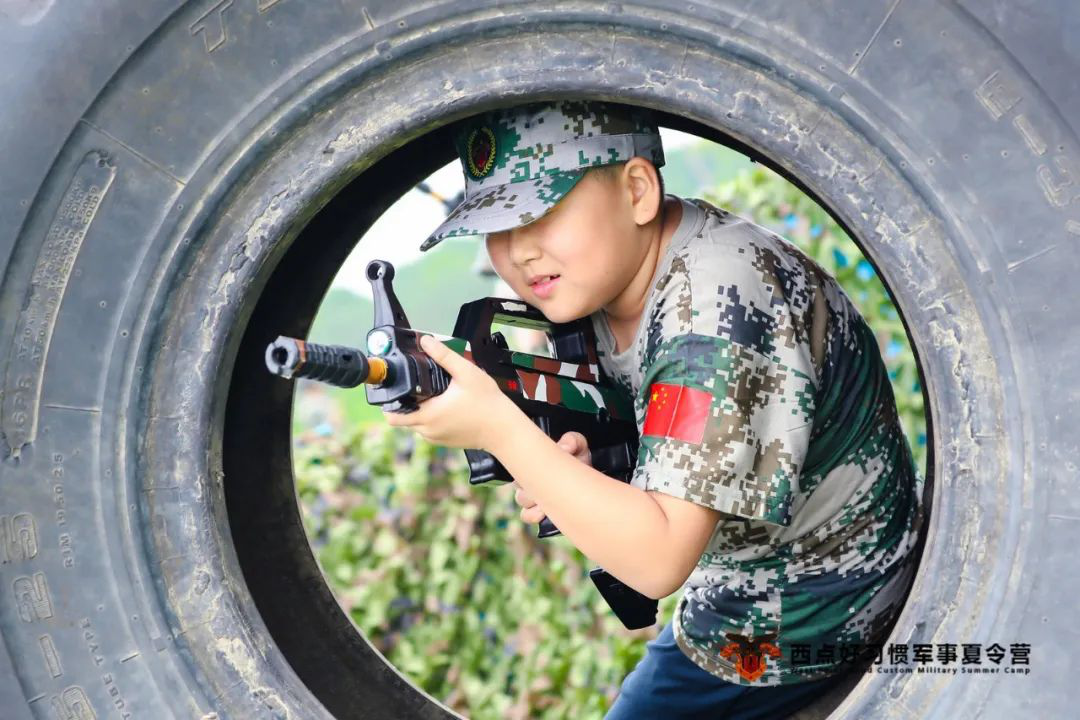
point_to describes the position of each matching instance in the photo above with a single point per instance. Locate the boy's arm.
(648, 540)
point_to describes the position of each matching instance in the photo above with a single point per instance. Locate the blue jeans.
(667, 685)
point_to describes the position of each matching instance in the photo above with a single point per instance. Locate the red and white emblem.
(480, 152)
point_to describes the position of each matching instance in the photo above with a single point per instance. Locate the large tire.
(182, 180)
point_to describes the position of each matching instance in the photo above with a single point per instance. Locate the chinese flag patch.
(676, 411)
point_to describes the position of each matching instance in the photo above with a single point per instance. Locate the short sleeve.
(726, 403)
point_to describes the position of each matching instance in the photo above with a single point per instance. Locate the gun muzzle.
(334, 364)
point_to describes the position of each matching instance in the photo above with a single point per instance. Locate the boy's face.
(590, 239)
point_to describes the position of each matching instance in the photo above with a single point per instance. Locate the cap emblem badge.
(480, 152)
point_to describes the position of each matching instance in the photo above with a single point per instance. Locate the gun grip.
(547, 528)
(635, 610)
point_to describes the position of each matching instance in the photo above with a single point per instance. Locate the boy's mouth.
(543, 285)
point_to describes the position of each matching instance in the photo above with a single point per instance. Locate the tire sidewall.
(220, 234)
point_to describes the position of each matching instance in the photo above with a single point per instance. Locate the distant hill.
(431, 291)
(692, 169)
(434, 288)
(344, 318)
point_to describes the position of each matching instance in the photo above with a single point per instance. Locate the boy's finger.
(522, 499)
(444, 356)
(532, 515)
(569, 442)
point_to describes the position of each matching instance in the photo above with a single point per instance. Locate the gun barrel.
(333, 364)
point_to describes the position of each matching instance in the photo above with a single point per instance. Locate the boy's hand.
(470, 413)
(573, 443)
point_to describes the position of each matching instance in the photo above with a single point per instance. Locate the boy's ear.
(643, 182)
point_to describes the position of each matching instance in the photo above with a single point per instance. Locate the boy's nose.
(523, 246)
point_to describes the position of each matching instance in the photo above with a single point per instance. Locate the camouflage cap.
(520, 161)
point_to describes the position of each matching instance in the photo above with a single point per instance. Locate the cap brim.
(502, 207)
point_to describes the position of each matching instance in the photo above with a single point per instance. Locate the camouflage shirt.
(759, 391)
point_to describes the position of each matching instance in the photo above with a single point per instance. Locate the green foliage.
(449, 584)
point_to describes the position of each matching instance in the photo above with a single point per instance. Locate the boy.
(773, 483)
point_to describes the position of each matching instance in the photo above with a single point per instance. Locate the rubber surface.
(182, 180)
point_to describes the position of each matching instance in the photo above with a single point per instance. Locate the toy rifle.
(559, 394)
